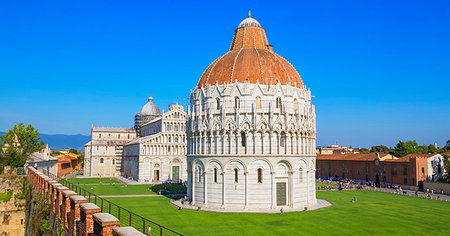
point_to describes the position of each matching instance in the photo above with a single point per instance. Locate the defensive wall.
(77, 215)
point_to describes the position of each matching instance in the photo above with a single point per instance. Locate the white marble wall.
(228, 128)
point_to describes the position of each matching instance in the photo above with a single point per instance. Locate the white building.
(435, 167)
(160, 152)
(153, 151)
(103, 154)
(43, 162)
(251, 130)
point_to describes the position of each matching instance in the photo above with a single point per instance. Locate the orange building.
(68, 163)
(374, 167)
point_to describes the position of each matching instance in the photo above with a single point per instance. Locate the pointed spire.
(249, 14)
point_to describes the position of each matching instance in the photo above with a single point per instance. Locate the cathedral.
(251, 130)
(153, 151)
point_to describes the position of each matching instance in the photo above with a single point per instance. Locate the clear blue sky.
(379, 70)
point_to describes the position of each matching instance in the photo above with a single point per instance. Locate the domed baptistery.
(251, 131)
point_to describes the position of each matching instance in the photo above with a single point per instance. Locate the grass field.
(92, 180)
(106, 188)
(374, 213)
(119, 189)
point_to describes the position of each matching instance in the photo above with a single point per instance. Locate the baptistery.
(251, 130)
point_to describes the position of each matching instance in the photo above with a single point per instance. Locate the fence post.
(129, 213)
(119, 211)
(143, 225)
(102, 203)
(160, 230)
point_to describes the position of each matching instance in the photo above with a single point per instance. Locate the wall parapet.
(78, 215)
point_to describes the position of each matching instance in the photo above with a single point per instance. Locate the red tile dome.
(250, 59)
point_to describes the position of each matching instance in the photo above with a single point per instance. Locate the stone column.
(237, 142)
(104, 223)
(274, 190)
(223, 188)
(262, 142)
(194, 172)
(246, 189)
(205, 188)
(87, 222)
(291, 188)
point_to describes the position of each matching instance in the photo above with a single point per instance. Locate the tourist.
(281, 212)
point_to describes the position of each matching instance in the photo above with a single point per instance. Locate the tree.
(73, 150)
(447, 146)
(447, 166)
(405, 148)
(364, 151)
(432, 149)
(380, 148)
(20, 142)
(422, 149)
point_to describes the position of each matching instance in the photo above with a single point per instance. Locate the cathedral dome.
(150, 109)
(250, 59)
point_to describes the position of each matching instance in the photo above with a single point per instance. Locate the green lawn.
(92, 180)
(119, 189)
(373, 213)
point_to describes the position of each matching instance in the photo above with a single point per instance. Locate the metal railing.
(126, 217)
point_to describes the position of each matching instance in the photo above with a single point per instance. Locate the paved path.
(320, 204)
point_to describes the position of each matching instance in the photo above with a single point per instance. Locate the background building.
(159, 153)
(381, 167)
(153, 151)
(103, 154)
(251, 130)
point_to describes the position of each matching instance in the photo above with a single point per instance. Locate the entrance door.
(175, 172)
(156, 175)
(281, 194)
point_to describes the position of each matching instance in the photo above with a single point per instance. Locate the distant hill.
(64, 141)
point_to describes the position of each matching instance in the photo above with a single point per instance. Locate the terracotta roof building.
(375, 167)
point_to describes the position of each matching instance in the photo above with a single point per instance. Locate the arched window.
(114, 162)
(236, 103)
(102, 160)
(260, 179)
(243, 139)
(119, 136)
(215, 175)
(236, 175)
(199, 170)
(258, 103)
(295, 104)
(203, 105)
(301, 175)
(99, 135)
(278, 103)
(217, 103)
(282, 140)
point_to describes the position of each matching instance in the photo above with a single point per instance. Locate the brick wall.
(79, 216)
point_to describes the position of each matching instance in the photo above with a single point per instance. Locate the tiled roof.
(111, 129)
(250, 59)
(350, 157)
